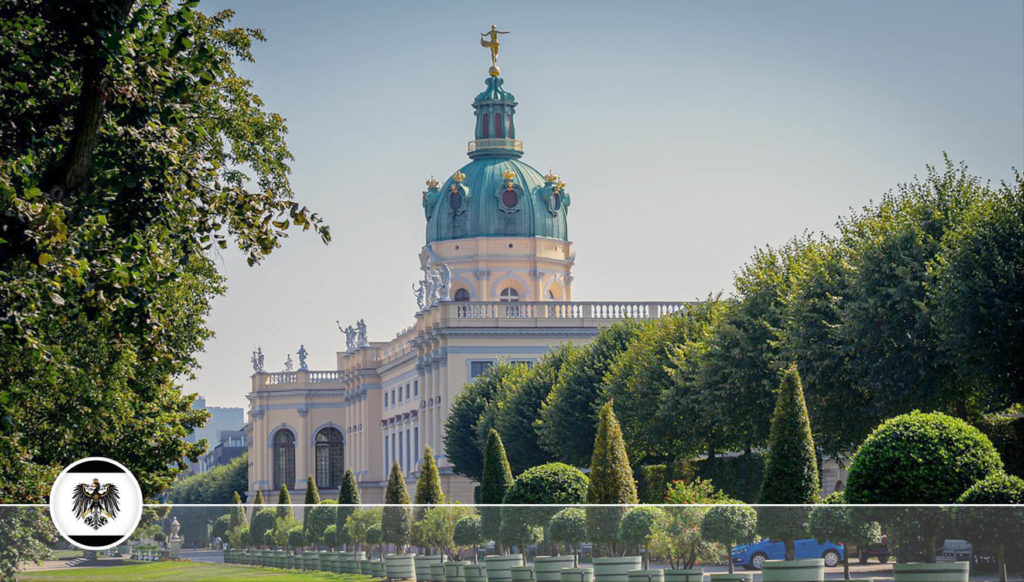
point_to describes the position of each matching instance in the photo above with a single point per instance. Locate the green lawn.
(187, 571)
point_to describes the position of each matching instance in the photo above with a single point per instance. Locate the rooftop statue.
(302, 358)
(493, 45)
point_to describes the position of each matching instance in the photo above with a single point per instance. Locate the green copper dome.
(496, 194)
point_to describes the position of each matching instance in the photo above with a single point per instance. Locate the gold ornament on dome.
(551, 177)
(508, 174)
(489, 40)
(458, 176)
(432, 183)
(558, 187)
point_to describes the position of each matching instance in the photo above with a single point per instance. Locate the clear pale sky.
(687, 133)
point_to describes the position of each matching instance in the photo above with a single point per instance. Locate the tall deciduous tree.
(569, 415)
(520, 415)
(116, 182)
(396, 522)
(462, 440)
(641, 376)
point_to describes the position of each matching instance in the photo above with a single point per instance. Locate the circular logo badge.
(95, 503)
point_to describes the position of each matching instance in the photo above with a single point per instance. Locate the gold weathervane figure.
(493, 45)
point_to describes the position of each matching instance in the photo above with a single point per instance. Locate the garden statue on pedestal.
(174, 541)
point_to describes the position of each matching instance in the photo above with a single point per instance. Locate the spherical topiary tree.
(569, 527)
(729, 525)
(375, 538)
(991, 528)
(296, 537)
(919, 458)
(552, 483)
(639, 524)
(611, 479)
(468, 533)
(837, 522)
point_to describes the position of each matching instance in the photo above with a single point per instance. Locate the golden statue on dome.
(493, 45)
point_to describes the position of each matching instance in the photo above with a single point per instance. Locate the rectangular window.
(408, 393)
(479, 367)
(385, 400)
(393, 457)
(386, 458)
(416, 388)
(486, 123)
(408, 450)
(499, 129)
(416, 441)
(393, 397)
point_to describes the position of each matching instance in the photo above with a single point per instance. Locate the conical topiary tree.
(611, 479)
(396, 523)
(259, 502)
(348, 495)
(312, 497)
(791, 469)
(283, 502)
(497, 478)
(237, 514)
(428, 485)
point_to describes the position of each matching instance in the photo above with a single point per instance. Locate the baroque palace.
(497, 286)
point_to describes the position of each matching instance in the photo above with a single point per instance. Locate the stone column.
(302, 450)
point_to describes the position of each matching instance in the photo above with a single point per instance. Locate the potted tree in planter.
(839, 523)
(730, 525)
(468, 533)
(568, 527)
(637, 526)
(920, 458)
(992, 527)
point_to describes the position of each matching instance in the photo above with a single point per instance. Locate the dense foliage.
(319, 518)
(840, 523)
(136, 149)
(218, 485)
(569, 415)
(791, 468)
(920, 458)
(611, 480)
(396, 521)
(312, 496)
(428, 484)
(348, 496)
(468, 532)
(549, 483)
(639, 524)
(568, 527)
(995, 528)
(462, 442)
(497, 478)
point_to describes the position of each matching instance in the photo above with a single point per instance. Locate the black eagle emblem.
(94, 503)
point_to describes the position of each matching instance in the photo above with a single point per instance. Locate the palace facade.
(497, 264)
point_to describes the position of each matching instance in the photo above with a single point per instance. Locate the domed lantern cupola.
(495, 111)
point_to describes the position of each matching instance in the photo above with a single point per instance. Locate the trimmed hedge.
(652, 483)
(549, 483)
(738, 477)
(920, 458)
(1007, 434)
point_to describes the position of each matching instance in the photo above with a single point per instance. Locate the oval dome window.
(455, 200)
(509, 198)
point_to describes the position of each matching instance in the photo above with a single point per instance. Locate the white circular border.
(138, 490)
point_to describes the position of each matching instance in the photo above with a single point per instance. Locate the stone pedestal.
(174, 549)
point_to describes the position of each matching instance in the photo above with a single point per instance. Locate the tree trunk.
(728, 549)
(846, 562)
(790, 550)
(1001, 562)
(929, 545)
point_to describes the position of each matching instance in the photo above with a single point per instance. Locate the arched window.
(462, 295)
(508, 294)
(284, 459)
(330, 456)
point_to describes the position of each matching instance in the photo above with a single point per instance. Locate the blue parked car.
(752, 556)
